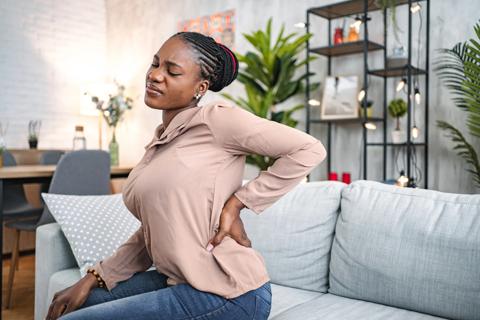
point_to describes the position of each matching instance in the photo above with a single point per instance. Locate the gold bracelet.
(100, 281)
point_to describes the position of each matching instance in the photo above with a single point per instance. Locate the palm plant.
(459, 68)
(268, 78)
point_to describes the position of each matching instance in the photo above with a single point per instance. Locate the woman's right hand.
(70, 298)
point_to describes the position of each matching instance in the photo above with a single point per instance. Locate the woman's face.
(173, 79)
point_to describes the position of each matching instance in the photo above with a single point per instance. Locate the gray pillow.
(94, 226)
(410, 248)
(295, 234)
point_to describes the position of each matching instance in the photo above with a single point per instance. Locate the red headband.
(231, 56)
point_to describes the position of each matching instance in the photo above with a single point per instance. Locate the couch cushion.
(285, 298)
(295, 234)
(332, 307)
(410, 248)
(60, 280)
(95, 226)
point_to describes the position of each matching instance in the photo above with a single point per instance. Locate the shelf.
(396, 72)
(347, 8)
(375, 17)
(349, 120)
(346, 48)
(391, 144)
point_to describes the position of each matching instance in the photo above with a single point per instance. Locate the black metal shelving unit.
(365, 46)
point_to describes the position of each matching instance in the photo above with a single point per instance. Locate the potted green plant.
(33, 133)
(268, 76)
(397, 108)
(459, 68)
(113, 112)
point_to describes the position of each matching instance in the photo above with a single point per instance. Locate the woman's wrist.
(236, 203)
(90, 281)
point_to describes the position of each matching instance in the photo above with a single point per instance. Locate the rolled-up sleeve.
(296, 153)
(130, 257)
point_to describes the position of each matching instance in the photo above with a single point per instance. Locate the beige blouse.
(180, 185)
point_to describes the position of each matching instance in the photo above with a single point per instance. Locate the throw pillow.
(94, 226)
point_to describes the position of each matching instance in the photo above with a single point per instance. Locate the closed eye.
(155, 65)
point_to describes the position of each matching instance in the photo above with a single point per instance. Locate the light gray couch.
(334, 251)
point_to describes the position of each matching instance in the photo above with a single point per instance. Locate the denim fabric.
(146, 296)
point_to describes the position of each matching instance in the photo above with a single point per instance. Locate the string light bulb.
(300, 25)
(357, 23)
(361, 95)
(402, 181)
(417, 95)
(313, 102)
(401, 84)
(370, 125)
(415, 7)
(415, 132)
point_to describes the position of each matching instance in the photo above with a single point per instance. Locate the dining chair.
(81, 172)
(50, 157)
(15, 202)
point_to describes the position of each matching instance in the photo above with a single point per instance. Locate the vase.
(352, 35)
(338, 36)
(113, 149)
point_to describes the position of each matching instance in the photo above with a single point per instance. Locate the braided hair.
(218, 64)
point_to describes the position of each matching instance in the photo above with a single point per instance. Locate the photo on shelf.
(340, 97)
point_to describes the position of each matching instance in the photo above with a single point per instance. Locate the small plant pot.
(361, 112)
(399, 136)
(33, 143)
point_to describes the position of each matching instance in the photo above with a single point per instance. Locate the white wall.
(49, 50)
(136, 29)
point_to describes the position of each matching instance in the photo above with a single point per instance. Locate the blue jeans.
(146, 296)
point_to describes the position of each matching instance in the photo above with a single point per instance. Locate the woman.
(186, 191)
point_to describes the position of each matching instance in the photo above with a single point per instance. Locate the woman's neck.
(169, 114)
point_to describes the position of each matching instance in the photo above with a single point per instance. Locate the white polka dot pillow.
(95, 226)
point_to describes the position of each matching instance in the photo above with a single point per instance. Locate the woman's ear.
(203, 87)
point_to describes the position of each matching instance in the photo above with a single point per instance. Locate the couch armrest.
(52, 254)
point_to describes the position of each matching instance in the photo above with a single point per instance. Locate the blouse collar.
(176, 126)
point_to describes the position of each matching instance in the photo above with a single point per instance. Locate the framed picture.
(340, 98)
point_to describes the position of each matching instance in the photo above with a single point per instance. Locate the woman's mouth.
(152, 90)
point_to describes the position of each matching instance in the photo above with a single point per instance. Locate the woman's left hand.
(231, 225)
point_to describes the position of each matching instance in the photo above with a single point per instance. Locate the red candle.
(333, 176)
(346, 177)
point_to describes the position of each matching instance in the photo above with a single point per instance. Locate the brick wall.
(50, 50)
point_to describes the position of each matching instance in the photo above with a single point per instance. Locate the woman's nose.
(156, 75)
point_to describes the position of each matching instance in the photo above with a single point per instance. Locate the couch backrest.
(410, 248)
(295, 234)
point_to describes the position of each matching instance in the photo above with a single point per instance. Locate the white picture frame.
(339, 99)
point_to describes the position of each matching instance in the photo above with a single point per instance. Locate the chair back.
(80, 172)
(14, 195)
(50, 157)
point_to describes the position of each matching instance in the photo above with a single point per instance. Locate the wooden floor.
(23, 289)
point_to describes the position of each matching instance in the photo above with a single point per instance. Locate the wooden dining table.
(21, 174)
